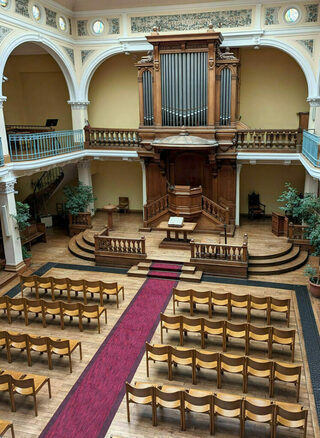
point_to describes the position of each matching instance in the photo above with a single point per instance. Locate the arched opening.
(35, 88)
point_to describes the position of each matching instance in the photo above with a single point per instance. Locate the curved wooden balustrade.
(221, 214)
(79, 222)
(289, 140)
(155, 209)
(97, 138)
(213, 251)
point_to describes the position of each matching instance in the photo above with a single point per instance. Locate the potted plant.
(22, 218)
(314, 280)
(26, 256)
(78, 199)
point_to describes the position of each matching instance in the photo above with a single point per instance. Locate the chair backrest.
(234, 328)
(18, 338)
(232, 360)
(165, 398)
(182, 353)
(38, 340)
(140, 392)
(15, 301)
(202, 295)
(282, 304)
(198, 401)
(241, 299)
(92, 285)
(52, 304)
(75, 284)
(28, 279)
(287, 369)
(258, 300)
(21, 384)
(182, 293)
(213, 325)
(59, 344)
(44, 282)
(259, 364)
(5, 379)
(259, 330)
(170, 319)
(218, 296)
(60, 282)
(123, 201)
(4, 299)
(293, 418)
(192, 324)
(110, 286)
(227, 402)
(90, 308)
(158, 350)
(259, 407)
(253, 199)
(70, 307)
(284, 334)
(33, 303)
(209, 357)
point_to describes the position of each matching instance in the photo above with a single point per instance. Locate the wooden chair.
(75, 286)
(259, 368)
(63, 347)
(238, 331)
(52, 308)
(259, 334)
(192, 325)
(158, 353)
(4, 341)
(181, 296)
(6, 386)
(72, 310)
(291, 416)
(171, 323)
(183, 356)
(229, 406)
(111, 289)
(5, 426)
(287, 373)
(257, 303)
(39, 344)
(279, 306)
(208, 360)
(221, 299)
(282, 337)
(93, 288)
(203, 298)
(239, 302)
(213, 328)
(233, 364)
(3, 303)
(255, 207)
(44, 283)
(200, 402)
(123, 204)
(28, 282)
(259, 411)
(141, 396)
(20, 342)
(92, 312)
(60, 285)
(15, 305)
(170, 398)
(31, 385)
(33, 306)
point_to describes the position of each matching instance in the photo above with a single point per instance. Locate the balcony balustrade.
(311, 147)
(268, 140)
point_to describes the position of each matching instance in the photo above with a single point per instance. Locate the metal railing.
(24, 147)
(1, 154)
(311, 147)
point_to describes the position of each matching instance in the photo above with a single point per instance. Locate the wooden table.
(110, 208)
(176, 242)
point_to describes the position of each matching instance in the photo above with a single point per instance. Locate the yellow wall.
(268, 180)
(113, 94)
(273, 89)
(36, 91)
(111, 179)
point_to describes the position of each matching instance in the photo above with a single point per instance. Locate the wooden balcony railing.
(155, 209)
(104, 138)
(273, 140)
(215, 210)
(212, 251)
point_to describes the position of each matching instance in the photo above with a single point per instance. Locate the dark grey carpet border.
(308, 322)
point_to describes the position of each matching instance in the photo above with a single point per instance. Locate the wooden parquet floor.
(28, 426)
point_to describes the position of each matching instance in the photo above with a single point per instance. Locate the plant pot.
(314, 289)
(47, 220)
(27, 262)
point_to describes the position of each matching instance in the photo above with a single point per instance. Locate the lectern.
(185, 201)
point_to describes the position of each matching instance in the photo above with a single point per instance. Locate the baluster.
(286, 139)
(250, 140)
(293, 140)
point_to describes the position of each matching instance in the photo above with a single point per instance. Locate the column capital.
(84, 164)
(7, 187)
(78, 104)
(3, 99)
(314, 101)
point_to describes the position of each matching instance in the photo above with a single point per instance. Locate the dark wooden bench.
(33, 233)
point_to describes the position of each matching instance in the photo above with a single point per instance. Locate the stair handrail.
(222, 214)
(153, 208)
(219, 251)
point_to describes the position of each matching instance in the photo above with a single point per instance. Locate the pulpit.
(185, 201)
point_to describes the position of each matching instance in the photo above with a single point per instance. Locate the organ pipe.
(148, 118)
(225, 97)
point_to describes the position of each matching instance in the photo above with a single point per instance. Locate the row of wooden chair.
(217, 404)
(39, 344)
(53, 308)
(15, 382)
(60, 285)
(226, 329)
(221, 363)
(231, 301)
(5, 426)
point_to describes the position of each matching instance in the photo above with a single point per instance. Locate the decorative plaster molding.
(312, 13)
(314, 101)
(70, 53)
(272, 16)
(4, 32)
(7, 187)
(85, 54)
(22, 7)
(3, 99)
(51, 18)
(78, 105)
(307, 44)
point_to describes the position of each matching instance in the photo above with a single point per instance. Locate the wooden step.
(275, 255)
(82, 244)
(289, 257)
(76, 251)
(280, 269)
(144, 265)
(136, 271)
(196, 276)
(88, 236)
(6, 277)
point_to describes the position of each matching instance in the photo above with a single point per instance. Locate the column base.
(20, 267)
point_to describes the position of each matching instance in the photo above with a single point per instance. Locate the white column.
(3, 134)
(84, 176)
(10, 231)
(144, 185)
(79, 112)
(311, 184)
(239, 166)
(314, 114)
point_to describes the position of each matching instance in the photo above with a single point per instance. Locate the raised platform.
(166, 270)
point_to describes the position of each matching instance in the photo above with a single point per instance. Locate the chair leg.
(35, 404)
(49, 388)
(12, 431)
(70, 363)
(128, 409)
(80, 350)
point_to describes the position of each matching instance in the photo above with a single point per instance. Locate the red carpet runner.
(90, 406)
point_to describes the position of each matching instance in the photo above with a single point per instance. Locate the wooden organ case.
(188, 94)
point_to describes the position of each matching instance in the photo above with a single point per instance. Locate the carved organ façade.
(188, 94)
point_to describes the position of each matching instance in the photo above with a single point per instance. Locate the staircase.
(288, 260)
(82, 245)
(166, 270)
